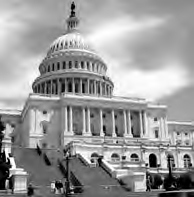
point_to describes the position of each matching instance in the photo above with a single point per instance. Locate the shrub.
(157, 181)
(185, 181)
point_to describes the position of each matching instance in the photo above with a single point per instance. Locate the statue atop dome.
(72, 21)
(72, 9)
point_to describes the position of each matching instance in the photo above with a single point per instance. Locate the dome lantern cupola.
(72, 21)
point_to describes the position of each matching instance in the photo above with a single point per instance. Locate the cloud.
(123, 25)
(119, 30)
(151, 84)
(112, 40)
(19, 89)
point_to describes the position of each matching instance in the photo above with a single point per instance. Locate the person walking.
(148, 184)
(53, 187)
(30, 190)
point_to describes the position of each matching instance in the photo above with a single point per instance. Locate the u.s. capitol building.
(73, 107)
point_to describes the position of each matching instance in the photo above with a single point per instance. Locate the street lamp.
(67, 183)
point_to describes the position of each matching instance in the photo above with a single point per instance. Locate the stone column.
(128, 134)
(59, 87)
(70, 120)
(88, 122)
(88, 86)
(113, 124)
(166, 127)
(105, 90)
(51, 87)
(145, 124)
(95, 87)
(125, 122)
(66, 85)
(45, 87)
(66, 120)
(100, 83)
(161, 128)
(73, 85)
(101, 124)
(84, 121)
(141, 124)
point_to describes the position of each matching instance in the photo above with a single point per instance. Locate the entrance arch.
(153, 161)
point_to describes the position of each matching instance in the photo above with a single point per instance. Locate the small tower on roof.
(72, 21)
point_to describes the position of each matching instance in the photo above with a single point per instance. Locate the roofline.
(190, 123)
(15, 112)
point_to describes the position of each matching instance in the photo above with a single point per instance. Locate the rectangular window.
(155, 119)
(58, 66)
(156, 133)
(82, 65)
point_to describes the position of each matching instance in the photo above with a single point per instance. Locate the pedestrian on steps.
(53, 187)
(30, 190)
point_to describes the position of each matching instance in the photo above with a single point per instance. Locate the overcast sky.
(148, 46)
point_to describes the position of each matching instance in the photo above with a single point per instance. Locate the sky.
(148, 46)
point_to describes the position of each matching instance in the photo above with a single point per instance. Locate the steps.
(95, 179)
(97, 182)
(39, 173)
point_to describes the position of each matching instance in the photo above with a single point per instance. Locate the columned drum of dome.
(72, 66)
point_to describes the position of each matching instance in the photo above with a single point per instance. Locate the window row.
(152, 159)
(116, 157)
(74, 85)
(86, 65)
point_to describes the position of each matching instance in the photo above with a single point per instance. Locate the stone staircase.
(40, 174)
(95, 179)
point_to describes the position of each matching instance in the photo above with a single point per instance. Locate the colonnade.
(86, 122)
(74, 85)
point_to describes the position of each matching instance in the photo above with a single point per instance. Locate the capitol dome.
(72, 40)
(72, 66)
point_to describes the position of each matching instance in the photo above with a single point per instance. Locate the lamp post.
(67, 184)
(169, 167)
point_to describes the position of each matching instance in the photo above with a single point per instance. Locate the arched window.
(115, 157)
(172, 163)
(187, 161)
(134, 157)
(94, 157)
(153, 161)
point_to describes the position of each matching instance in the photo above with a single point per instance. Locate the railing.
(119, 141)
(84, 160)
(108, 168)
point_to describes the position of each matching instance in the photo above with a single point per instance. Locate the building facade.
(72, 105)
